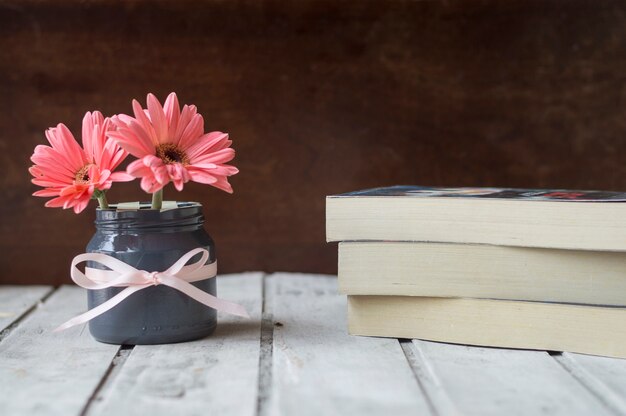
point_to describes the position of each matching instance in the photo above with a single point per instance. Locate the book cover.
(491, 193)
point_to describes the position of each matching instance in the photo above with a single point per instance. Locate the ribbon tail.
(100, 309)
(205, 298)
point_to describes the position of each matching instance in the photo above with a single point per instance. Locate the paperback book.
(592, 330)
(581, 220)
(482, 271)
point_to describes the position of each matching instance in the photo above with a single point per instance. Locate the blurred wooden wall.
(320, 97)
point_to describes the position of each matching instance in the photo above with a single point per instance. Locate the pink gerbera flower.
(171, 146)
(73, 174)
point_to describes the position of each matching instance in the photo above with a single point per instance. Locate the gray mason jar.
(151, 240)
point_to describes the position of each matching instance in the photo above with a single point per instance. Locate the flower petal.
(130, 142)
(112, 155)
(81, 205)
(50, 159)
(221, 156)
(121, 177)
(201, 176)
(157, 117)
(48, 192)
(118, 157)
(206, 143)
(161, 174)
(172, 114)
(144, 122)
(226, 170)
(40, 172)
(150, 185)
(192, 132)
(178, 175)
(185, 117)
(138, 169)
(71, 148)
(222, 183)
(47, 183)
(87, 133)
(64, 143)
(57, 202)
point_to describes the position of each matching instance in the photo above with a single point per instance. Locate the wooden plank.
(15, 301)
(489, 381)
(51, 373)
(605, 377)
(318, 369)
(216, 375)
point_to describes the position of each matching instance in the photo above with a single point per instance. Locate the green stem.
(157, 199)
(102, 200)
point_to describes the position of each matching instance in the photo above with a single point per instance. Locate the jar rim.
(187, 215)
(146, 205)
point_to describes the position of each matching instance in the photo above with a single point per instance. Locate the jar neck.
(186, 217)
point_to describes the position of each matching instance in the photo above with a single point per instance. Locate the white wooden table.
(293, 357)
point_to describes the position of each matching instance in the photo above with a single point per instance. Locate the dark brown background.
(320, 97)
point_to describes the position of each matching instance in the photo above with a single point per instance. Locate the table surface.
(293, 356)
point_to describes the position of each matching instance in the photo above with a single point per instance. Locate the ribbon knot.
(179, 276)
(154, 276)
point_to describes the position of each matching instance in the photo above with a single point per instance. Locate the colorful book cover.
(495, 193)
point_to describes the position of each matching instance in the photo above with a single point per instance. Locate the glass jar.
(151, 240)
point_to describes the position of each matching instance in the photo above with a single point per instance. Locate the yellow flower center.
(170, 153)
(82, 176)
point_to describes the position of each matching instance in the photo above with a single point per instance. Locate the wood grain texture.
(492, 381)
(303, 363)
(320, 97)
(52, 373)
(15, 301)
(216, 375)
(603, 376)
(317, 368)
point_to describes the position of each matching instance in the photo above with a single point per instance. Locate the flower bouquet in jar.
(150, 267)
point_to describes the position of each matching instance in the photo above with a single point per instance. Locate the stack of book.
(535, 269)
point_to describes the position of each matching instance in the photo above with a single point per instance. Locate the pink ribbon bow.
(121, 274)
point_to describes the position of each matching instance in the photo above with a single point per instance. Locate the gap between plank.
(266, 349)
(107, 379)
(438, 401)
(6, 331)
(603, 393)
